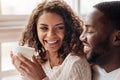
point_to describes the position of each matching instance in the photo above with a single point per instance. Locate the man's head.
(101, 33)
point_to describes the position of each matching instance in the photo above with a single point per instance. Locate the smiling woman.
(47, 28)
(13, 17)
(53, 30)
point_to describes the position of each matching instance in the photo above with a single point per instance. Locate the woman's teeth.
(51, 42)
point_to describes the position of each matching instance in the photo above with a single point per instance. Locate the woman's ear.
(116, 38)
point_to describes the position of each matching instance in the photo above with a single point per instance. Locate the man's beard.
(98, 51)
(93, 58)
(97, 56)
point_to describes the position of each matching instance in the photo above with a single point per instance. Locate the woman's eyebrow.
(43, 24)
(59, 24)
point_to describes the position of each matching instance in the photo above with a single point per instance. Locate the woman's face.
(50, 30)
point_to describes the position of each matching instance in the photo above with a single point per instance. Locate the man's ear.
(116, 38)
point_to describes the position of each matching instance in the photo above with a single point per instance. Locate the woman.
(53, 30)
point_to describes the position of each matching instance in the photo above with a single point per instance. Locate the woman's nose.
(51, 33)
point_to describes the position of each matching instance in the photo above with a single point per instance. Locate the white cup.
(28, 52)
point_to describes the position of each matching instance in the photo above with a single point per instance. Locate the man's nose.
(82, 37)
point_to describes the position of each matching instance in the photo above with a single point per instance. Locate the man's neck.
(110, 63)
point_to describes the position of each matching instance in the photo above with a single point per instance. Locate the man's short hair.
(111, 11)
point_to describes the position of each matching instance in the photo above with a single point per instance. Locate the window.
(5, 58)
(18, 7)
(16, 12)
(8, 38)
(24, 7)
(74, 5)
(85, 5)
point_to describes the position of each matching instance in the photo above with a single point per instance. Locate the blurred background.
(13, 18)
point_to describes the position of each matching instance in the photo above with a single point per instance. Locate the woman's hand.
(32, 70)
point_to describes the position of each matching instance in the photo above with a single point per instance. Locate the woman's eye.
(44, 28)
(60, 27)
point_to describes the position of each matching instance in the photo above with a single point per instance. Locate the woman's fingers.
(15, 60)
(19, 62)
(24, 59)
(11, 55)
(34, 59)
(30, 69)
(24, 69)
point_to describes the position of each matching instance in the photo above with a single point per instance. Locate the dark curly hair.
(71, 42)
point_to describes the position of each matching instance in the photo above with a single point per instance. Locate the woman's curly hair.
(71, 42)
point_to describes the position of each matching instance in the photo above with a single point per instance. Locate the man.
(101, 40)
